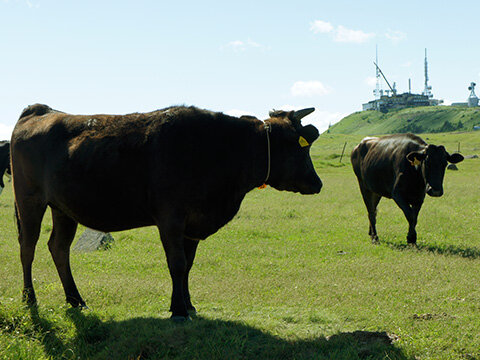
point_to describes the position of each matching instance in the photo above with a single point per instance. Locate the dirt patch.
(429, 316)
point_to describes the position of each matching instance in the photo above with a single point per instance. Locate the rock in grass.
(452, 167)
(92, 240)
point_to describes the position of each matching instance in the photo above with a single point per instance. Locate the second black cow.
(4, 161)
(401, 167)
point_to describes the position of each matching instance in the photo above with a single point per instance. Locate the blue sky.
(244, 57)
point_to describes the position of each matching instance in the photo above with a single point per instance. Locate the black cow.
(401, 167)
(182, 169)
(4, 161)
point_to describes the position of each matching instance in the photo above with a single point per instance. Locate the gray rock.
(92, 240)
(452, 167)
(471, 157)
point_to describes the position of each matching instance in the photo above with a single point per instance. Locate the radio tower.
(428, 89)
(377, 92)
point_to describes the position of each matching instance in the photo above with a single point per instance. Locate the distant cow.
(401, 167)
(182, 169)
(4, 161)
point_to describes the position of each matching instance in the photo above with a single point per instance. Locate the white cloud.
(342, 34)
(395, 35)
(5, 131)
(240, 46)
(309, 88)
(319, 26)
(319, 118)
(238, 113)
(371, 81)
(323, 119)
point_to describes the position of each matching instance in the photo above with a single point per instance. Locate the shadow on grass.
(153, 338)
(451, 250)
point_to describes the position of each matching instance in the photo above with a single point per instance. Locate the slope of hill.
(429, 119)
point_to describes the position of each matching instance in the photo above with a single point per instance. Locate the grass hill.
(428, 119)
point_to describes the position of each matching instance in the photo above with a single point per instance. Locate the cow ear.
(454, 158)
(310, 133)
(416, 157)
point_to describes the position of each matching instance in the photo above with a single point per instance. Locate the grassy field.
(430, 119)
(291, 277)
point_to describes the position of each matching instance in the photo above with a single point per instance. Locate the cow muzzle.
(312, 188)
(433, 192)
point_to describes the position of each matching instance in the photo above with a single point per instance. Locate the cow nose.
(312, 188)
(435, 193)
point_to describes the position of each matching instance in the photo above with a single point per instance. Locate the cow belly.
(207, 220)
(108, 219)
(102, 210)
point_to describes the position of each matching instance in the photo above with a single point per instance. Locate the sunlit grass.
(290, 277)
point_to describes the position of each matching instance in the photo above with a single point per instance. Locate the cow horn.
(300, 114)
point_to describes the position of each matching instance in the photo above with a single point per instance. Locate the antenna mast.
(392, 89)
(428, 89)
(377, 92)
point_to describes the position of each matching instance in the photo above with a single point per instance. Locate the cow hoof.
(178, 319)
(412, 244)
(76, 303)
(28, 297)
(375, 240)
(412, 241)
(192, 312)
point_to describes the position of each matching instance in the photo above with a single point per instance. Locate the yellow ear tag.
(415, 162)
(302, 141)
(262, 186)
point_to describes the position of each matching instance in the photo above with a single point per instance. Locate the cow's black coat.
(401, 167)
(182, 169)
(4, 161)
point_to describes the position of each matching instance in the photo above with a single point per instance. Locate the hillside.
(416, 120)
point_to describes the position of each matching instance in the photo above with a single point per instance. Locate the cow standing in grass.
(4, 161)
(401, 167)
(182, 169)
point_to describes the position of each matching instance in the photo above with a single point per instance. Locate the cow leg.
(61, 238)
(29, 213)
(371, 201)
(411, 214)
(412, 233)
(190, 247)
(171, 234)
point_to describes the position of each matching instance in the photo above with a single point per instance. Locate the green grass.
(431, 119)
(291, 277)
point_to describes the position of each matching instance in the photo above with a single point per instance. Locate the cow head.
(291, 165)
(433, 160)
